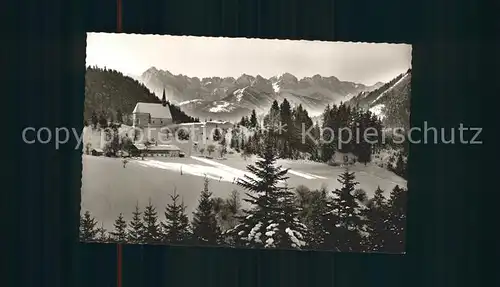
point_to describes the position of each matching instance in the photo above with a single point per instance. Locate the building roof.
(154, 110)
(154, 147)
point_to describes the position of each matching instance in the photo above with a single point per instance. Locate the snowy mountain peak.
(151, 70)
(245, 79)
(288, 78)
(260, 78)
(230, 98)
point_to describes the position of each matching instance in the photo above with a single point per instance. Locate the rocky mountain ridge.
(391, 101)
(230, 98)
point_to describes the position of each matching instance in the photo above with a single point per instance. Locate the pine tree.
(244, 122)
(103, 122)
(102, 234)
(301, 122)
(396, 220)
(176, 228)
(152, 232)
(275, 106)
(286, 134)
(314, 221)
(376, 215)
(242, 143)
(234, 143)
(253, 120)
(361, 146)
(328, 142)
(205, 228)
(272, 119)
(88, 230)
(217, 134)
(223, 146)
(136, 226)
(257, 142)
(113, 144)
(290, 232)
(400, 168)
(273, 220)
(343, 220)
(233, 207)
(120, 232)
(119, 116)
(94, 119)
(248, 147)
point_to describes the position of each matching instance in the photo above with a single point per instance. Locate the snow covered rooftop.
(154, 110)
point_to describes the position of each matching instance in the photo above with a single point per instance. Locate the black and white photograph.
(245, 143)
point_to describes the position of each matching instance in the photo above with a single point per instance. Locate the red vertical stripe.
(119, 16)
(119, 265)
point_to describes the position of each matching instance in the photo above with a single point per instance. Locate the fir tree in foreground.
(313, 217)
(102, 234)
(152, 232)
(233, 207)
(205, 228)
(343, 220)
(272, 222)
(227, 212)
(120, 232)
(88, 230)
(396, 221)
(136, 226)
(376, 222)
(176, 228)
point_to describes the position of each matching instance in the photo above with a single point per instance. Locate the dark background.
(46, 88)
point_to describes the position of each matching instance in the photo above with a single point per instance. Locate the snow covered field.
(108, 188)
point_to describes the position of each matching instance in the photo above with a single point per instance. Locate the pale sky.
(208, 57)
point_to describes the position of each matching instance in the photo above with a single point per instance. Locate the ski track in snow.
(237, 171)
(221, 172)
(191, 169)
(219, 166)
(213, 170)
(306, 175)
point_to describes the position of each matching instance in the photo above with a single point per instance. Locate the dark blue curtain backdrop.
(46, 88)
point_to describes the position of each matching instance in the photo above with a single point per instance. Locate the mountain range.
(231, 98)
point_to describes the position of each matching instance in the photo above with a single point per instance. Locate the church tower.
(164, 99)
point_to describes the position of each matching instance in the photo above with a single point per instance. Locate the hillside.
(391, 102)
(230, 98)
(109, 91)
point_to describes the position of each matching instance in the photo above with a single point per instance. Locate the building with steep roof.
(151, 115)
(150, 121)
